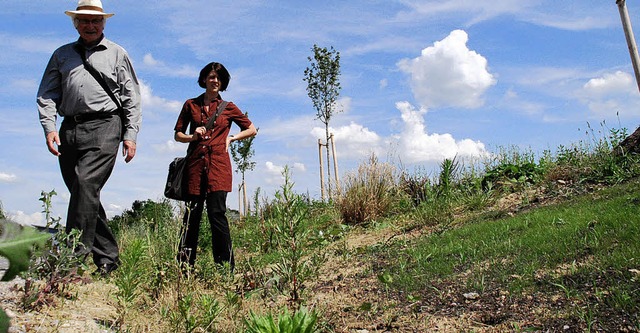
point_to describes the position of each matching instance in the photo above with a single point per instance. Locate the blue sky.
(421, 81)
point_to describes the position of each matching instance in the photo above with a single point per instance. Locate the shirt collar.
(100, 45)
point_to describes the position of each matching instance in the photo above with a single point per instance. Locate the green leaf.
(4, 322)
(16, 244)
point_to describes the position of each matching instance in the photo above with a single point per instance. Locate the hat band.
(90, 8)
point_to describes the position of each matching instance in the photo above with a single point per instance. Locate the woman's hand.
(230, 139)
(200, 131)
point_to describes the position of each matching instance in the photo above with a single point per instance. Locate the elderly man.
(96, 117)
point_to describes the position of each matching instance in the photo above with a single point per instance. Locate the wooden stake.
(631, 41)
(335, 163)
(321, 169)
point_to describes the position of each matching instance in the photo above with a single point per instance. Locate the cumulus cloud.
(417, 145)
(7, 178)
(611, 94)
(353, 140)
(449, 74)
(611, 83)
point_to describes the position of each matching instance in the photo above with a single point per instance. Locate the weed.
(289, 216)
(301, 321)
(57, 267)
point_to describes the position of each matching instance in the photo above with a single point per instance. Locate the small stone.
(471, 295)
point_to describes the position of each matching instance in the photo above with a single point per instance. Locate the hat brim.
(73, 13)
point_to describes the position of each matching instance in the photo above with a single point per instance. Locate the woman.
(209, 166)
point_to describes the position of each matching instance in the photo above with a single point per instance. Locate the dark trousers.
(220, 235)
(88, 154)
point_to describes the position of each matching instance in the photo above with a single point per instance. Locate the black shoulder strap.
(212, 120)
(96, 75)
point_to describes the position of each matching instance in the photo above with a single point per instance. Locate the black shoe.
(105, 270)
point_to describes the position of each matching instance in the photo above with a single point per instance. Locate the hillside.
(351, 296)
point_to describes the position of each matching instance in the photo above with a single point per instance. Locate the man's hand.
(53, 141)
(128, 150)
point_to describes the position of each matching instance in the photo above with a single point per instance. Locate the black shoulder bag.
(176, 186)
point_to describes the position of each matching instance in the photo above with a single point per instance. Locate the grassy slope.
(570, 266)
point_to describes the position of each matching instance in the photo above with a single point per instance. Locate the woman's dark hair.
(223, 75)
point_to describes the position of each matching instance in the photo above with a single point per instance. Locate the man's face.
(89, 27)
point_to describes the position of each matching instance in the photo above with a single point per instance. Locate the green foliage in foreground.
(17, 244)
(300, 322)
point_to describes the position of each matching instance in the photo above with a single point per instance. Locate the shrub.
(369, 194)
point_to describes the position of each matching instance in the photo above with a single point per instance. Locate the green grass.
(586, 248)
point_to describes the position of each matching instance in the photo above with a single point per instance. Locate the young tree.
(323, 87)
(242, 152)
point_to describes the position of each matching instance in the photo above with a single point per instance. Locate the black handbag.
(176, 185)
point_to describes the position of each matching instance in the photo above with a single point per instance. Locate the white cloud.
(449, 74)
(152, 103)
(299, 167)
(7, 178)
(618, 83)
(352, 140)
(557, 14)
(274, 173)
(611, 94)
(417, 145)
(27, 219)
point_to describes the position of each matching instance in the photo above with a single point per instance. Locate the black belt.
(84, 117)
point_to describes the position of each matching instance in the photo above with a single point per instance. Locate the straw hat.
(88, 7)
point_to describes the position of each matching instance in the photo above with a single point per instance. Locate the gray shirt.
(68, 89)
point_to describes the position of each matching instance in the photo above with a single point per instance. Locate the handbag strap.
(96, 75)
(212, 120)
